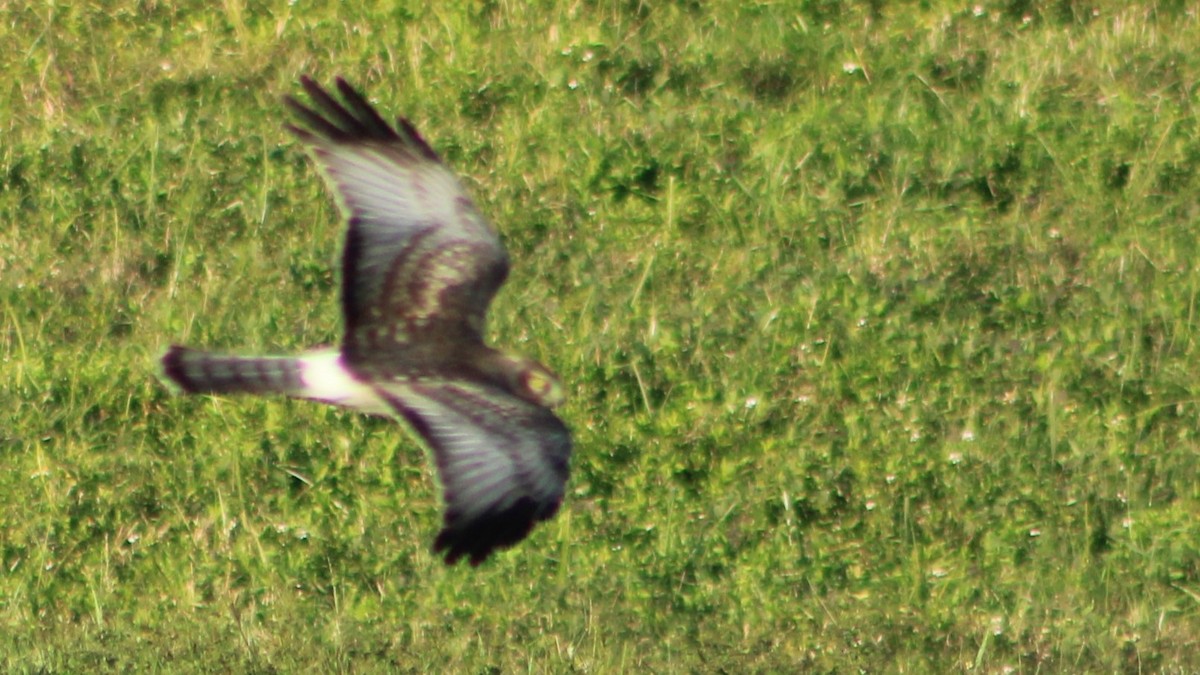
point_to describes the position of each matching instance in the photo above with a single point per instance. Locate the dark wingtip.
(417, 140)
(479, 538)
(353, 118)
(310, 85)
(345, 88)
(291, 102)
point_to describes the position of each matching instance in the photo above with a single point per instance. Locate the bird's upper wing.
(420, 262)
(503, 462)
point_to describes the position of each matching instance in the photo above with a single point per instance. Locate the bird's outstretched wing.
(420, 263)
(502, 461)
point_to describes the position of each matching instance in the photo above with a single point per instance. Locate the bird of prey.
(420, 266)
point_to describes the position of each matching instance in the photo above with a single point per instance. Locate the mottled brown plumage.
(419, 268)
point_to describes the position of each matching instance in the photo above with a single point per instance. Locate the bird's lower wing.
(503, 462)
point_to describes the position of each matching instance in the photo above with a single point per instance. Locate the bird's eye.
(541, 387)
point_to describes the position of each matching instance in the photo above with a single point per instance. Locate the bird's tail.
(198, 372)
(317, 376)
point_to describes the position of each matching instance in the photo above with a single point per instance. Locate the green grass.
(878, 326)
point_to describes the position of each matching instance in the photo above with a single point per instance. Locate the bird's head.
(529, 380)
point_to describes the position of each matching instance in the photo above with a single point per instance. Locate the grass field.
(878, 325)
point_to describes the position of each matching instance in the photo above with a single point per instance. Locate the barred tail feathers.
(199, 372)
(317, 376)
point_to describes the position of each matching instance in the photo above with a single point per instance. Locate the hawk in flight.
(419, 268)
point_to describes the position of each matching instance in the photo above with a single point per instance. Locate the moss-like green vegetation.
(878, 321)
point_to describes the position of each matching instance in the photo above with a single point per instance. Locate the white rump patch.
(327, 380)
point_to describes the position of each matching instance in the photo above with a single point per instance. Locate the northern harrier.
(419, 268)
